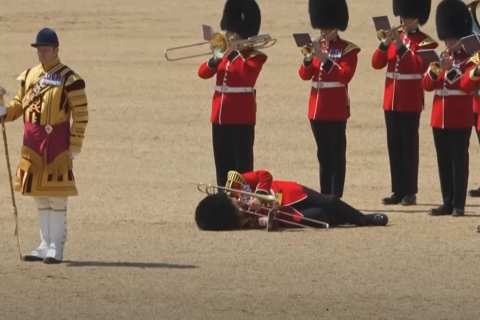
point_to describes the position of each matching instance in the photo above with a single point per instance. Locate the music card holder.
(207, 32)
(428, 56)
(471, 43)
(381, 23)
(302, 39)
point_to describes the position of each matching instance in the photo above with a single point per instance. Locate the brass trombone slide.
(220, 45)
(271, 199)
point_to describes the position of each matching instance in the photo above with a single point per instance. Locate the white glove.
(73, 154)
(3, 111)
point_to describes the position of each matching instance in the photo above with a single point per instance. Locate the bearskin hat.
(419, 9)
(242, 17)
(453, 20)
(216, 212)
(328, 14)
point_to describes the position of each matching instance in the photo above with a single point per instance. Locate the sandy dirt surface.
(133, 249)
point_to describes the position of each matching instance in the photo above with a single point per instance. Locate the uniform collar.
(50, 65)
(413, 31)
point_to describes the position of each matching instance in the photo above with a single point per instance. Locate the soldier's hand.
(395, 37)
(255, 204)
(3, 110)
(446, 64)
(73, 154)
(319, 53)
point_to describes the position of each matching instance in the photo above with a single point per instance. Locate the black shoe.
(32, 258)
(51, 261)
(443, 210)
(380, 219)
(478, 229)
(457, 212)
(409, 200)
(393, 199)
(376, 219)
(474, 193)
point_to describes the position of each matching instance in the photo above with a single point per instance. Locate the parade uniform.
(296, 200)
(404, 100)
(469, 83)
(452, 112)
(329, 103)
(50, 96)
(234, 105)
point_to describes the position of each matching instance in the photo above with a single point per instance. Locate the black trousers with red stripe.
(453, 159)
(232, 149)
(403, 151)
(331, 140)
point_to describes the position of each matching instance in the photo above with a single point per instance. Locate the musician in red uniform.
(470, 84)
(330, 68)
(403, 98)
(452, 113)
(234, 104)
(220, 212)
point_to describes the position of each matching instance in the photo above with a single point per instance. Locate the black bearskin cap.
(453, 20)
(216, 212)
(419, 9)
(328, 14)
(242, 17)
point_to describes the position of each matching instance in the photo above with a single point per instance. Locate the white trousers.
(52, 220)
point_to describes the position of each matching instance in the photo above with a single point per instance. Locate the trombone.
(384, 34)
(307, 50)
(220, 45)
(273, 210)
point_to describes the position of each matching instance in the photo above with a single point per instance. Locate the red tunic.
(452, 108)
(329, 99)
(470, 84)
(237, 74)
(261, 181)
(405, 69)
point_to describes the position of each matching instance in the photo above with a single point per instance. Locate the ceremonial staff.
(7, 157)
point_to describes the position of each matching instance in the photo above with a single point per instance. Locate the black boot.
(458, 212)
(443, 210)
(393, 199)
(409, 200)
(474, 193)
(377, 219)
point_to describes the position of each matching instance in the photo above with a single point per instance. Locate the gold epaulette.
(350, 47)
(474, 59)
(426, 42)
(23, 75)
(72, 78)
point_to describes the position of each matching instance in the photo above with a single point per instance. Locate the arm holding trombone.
(284, 204)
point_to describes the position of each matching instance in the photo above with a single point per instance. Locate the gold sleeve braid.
(15, 107)
(77, 99)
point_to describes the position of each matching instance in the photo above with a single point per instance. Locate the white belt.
(399, 76)
(225, 89)
(447, 92)
(322, 84)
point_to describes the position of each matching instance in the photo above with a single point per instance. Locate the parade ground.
(134, 250)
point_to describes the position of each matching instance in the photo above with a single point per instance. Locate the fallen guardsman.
(295, 206)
